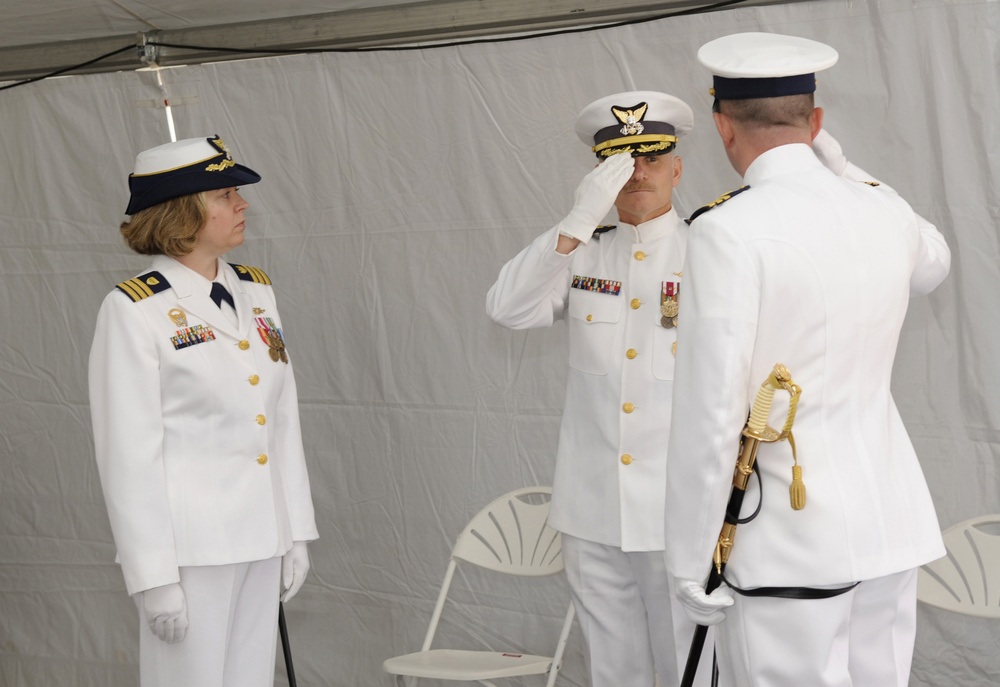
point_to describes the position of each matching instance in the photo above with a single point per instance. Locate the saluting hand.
(596, 195)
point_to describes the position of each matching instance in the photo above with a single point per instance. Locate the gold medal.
(276, 347)
(667, 322)
(669, 308)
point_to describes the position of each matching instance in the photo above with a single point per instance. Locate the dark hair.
(786, 110)
(168, 228)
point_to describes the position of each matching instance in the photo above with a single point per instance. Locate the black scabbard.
(286, 648)
(713, 583)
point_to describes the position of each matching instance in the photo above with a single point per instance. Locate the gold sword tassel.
(797, 490)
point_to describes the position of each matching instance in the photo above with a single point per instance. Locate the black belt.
(791, 592)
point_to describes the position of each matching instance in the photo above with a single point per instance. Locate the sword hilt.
(757, 427)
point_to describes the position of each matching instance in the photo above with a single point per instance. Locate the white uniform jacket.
(611, 460)
(813, 271)
(196, 427)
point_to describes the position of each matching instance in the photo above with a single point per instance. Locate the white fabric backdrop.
(395, 186)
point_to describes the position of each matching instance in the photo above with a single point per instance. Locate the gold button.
(254, 380)
(590, 318)
(244, 345)
(262, 459)
(626, 459)
(261, 419)
(631, 353)
(639, 255)
(635, 303)
(628, 407)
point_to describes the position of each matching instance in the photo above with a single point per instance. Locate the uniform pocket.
(663, 353)
(592, 325)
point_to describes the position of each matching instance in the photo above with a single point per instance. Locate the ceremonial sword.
(754, 433)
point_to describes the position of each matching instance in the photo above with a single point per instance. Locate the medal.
(669, 307)
(276, 347)
(271, 335)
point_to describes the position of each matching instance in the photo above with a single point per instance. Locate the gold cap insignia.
(631, 119)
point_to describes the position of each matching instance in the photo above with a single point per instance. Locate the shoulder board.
(603, 229)
(718, 201)
(143, 286)
(254, 274)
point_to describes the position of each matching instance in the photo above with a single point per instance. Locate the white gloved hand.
(166, 612)
(596, 195)
(829, 152)
(294, 568)
(702, 608)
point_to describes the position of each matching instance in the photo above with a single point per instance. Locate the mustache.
(637, 187)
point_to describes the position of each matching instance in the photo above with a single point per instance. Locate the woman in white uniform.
(196, 429)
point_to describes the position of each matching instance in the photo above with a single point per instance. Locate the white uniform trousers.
(862, 638)
(630, 627)
(232, 632)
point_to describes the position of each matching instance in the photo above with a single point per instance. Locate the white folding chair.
(507, 536)
(967, 580)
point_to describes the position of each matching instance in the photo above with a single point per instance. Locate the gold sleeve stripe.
(135, 289)
(259, 276)
(254, 274)
(248, 273)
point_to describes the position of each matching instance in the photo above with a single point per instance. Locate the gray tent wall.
(395, 185)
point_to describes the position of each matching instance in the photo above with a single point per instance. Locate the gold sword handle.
(755, 431)
(757, 423)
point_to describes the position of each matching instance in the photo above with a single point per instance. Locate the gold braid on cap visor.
(643, 144)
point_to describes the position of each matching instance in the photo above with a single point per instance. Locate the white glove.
(166, 612)
(702, 608)
(829, 152)
(596, 195)
(294, 568)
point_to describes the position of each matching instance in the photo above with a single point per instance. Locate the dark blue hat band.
(725, 88)
(152, 189)
(610, 132)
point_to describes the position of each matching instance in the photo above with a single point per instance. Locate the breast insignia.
(715, 203)
(254, 274)
(143, 286)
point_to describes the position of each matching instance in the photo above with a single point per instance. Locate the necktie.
(219, 294)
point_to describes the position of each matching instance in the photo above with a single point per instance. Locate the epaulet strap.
(603, 229)
(715, 203)
(143, 286)
(248, 273)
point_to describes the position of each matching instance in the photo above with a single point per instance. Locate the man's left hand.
(702, 608)
(294, 568)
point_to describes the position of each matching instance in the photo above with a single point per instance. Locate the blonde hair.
(168, 228)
